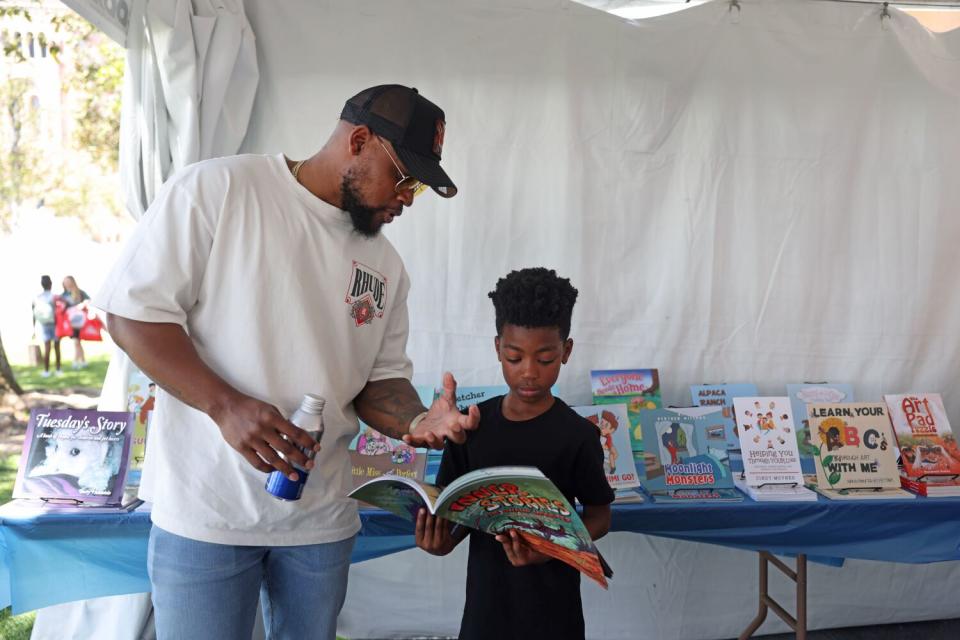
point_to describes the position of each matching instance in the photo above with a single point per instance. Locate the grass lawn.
(91, 377)
(12, 627)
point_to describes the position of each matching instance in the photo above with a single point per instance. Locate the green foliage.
(80, 178)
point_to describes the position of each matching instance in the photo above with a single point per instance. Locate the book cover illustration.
(685, 450)
(76, 456)
(768, 441)
(373, 454)
(141, 398)
(802, 394)
(855, 446)
(928, 446)
(721, 395)
(638, 389)
(613, 423)
(495, 500)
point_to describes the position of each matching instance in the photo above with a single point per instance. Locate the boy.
(44, 324)
(512, 590)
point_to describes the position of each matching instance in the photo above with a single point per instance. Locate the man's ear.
(359, 136)
(567, 350)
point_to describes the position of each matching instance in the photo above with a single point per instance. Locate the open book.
(494, 500)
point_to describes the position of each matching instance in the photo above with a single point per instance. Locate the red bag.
(63, 328)
(91, 328)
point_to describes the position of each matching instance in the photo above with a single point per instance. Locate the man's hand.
(444, 420)
(258, 431)
(518, 552)
(432, 534)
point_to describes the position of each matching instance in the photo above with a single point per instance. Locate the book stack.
(771, 461)
(929, 454)
(854, 451)
(75, 462)
(685, 457)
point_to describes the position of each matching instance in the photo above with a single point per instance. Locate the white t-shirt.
(281, 297)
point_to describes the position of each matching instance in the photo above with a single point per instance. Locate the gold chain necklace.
(296, 170)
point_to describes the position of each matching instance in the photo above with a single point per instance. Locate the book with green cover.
(638, 389)
(494, 500)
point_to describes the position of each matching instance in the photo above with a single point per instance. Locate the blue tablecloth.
(50, 559)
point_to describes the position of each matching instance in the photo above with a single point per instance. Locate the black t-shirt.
(536, 601)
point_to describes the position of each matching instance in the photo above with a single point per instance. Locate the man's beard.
(361, 215)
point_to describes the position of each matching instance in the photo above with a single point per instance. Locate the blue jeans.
(204, 590)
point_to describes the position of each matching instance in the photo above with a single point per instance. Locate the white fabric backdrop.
(757, 195)
(761, 195)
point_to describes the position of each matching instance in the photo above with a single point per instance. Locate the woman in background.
(76, 299)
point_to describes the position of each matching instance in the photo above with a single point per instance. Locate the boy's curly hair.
(532, 298)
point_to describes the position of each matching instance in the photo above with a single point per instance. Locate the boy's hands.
(518, 553)
(432, 534)
(444, 420)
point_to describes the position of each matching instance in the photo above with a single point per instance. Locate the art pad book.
(802, 394)
(768, 441)
(638, 389)
(494, 500)
(373, 454)
(855, 451)
(614, 426)
(720, 395)
(685, 450)
(77, 456)
(928, 447)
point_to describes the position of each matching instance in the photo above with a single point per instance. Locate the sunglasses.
(405, 183)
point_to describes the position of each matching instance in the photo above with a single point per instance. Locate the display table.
(50, 559)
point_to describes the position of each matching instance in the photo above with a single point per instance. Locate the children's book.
(855, 456)
(721, 395)
(614, 425)
(928, 447)
(141, 396)
(373, 454)
(638, 389)
(802, 394)
(686, 452)
(494, 500)
(771, 462)
(699, 495)
(75, 456)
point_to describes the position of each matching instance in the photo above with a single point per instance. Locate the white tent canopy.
(762, 194)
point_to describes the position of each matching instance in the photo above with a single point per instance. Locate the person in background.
(76, 299)
(44, 325)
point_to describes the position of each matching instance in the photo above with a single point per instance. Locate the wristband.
(416, 421)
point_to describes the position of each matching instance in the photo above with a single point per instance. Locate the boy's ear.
(567, 350)
(496, 345)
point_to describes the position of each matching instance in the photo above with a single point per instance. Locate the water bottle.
(308, 417)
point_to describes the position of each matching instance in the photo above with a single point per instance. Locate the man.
(250, 281)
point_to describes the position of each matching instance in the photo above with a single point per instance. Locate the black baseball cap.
(414, 125)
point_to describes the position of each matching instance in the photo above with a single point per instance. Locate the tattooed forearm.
(388, 406)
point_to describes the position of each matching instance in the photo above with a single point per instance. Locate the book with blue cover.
(638, 389)
(802, 394)
(686, 454)
(612, 422)
(722, 394)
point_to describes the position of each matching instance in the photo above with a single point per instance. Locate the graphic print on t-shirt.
(366, 294)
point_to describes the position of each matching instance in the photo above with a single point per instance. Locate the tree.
(80, 178)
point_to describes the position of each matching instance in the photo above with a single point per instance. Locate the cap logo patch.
(438, 137)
